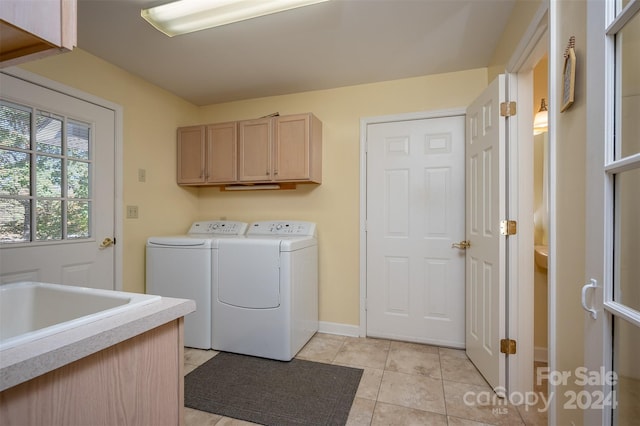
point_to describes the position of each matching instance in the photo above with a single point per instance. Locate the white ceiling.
(327, 45)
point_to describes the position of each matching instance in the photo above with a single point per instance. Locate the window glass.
(628, 41)
(626, 345)
(78, 214)
(48, 176)
(78, 140)
(15, 172)
(627, 239)
(48, 133)
(77, 179)
(52, 202)
(15, 126)
(15, 220)
(48, 220)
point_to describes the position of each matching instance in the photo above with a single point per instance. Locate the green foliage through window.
(45, 176)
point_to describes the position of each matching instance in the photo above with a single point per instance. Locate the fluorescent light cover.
(187, 16)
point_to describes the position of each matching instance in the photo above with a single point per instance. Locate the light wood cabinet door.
(255, 150)
(34, 29)
(222, 153)
(191, 155)
(298, 148)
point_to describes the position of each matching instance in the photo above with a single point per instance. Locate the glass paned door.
(57, 185)
(622, 168)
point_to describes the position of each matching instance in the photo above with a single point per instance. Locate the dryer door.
(249, 273)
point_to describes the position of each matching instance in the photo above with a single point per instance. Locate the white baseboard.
(340, 329)
(540, 354)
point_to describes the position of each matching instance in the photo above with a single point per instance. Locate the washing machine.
(265, 290)
(181, 266)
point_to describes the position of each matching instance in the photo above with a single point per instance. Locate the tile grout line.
(444, 395)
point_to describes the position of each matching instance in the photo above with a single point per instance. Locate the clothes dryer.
(265, 290)
(180, 266)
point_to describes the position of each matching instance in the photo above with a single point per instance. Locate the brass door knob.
(107, 242)
(462, 245)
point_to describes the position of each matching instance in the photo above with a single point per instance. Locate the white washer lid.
(181, 241)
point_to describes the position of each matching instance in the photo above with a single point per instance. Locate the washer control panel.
(283, 227)
(224, 227)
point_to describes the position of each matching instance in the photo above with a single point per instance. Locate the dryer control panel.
(283, 227)
(220, 227)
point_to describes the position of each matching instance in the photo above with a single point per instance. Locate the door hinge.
(507, 109)
(508, 346)
(508, 227)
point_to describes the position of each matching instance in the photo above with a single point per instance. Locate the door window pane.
(48, 133)
(78, 140)
(48, 220)
(49, 176)
(15, 220)
(626, 346)
(628, 41)
(627, 239)
(15, 173)
(78, 214)
(15, 126)
(77, 179)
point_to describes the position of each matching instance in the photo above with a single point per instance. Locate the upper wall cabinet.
(281, 149)
(286, 149)
(33, 29)
(207, 155)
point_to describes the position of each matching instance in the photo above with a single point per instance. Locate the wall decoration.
(569, 75)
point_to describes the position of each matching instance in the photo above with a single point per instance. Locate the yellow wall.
(151, 116)
(521, 16)
(334, 205)
(570, 189)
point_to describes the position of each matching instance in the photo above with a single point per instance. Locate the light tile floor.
(402, 384)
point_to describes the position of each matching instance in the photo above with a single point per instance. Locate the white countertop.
(25, 362)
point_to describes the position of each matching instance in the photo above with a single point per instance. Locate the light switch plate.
(132, 212)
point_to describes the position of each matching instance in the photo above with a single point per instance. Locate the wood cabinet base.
(137, 382)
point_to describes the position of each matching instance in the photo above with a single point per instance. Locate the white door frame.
(520, 318)
(364, 122)
(117, 109)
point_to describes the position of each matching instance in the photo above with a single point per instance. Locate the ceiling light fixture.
(541, 119)
(187, 16)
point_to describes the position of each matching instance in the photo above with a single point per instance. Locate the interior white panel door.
(81, 262)
(415, 212)
(485, 288)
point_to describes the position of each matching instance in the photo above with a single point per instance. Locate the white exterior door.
(415, 212)
(485, 273)
(62, 221)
